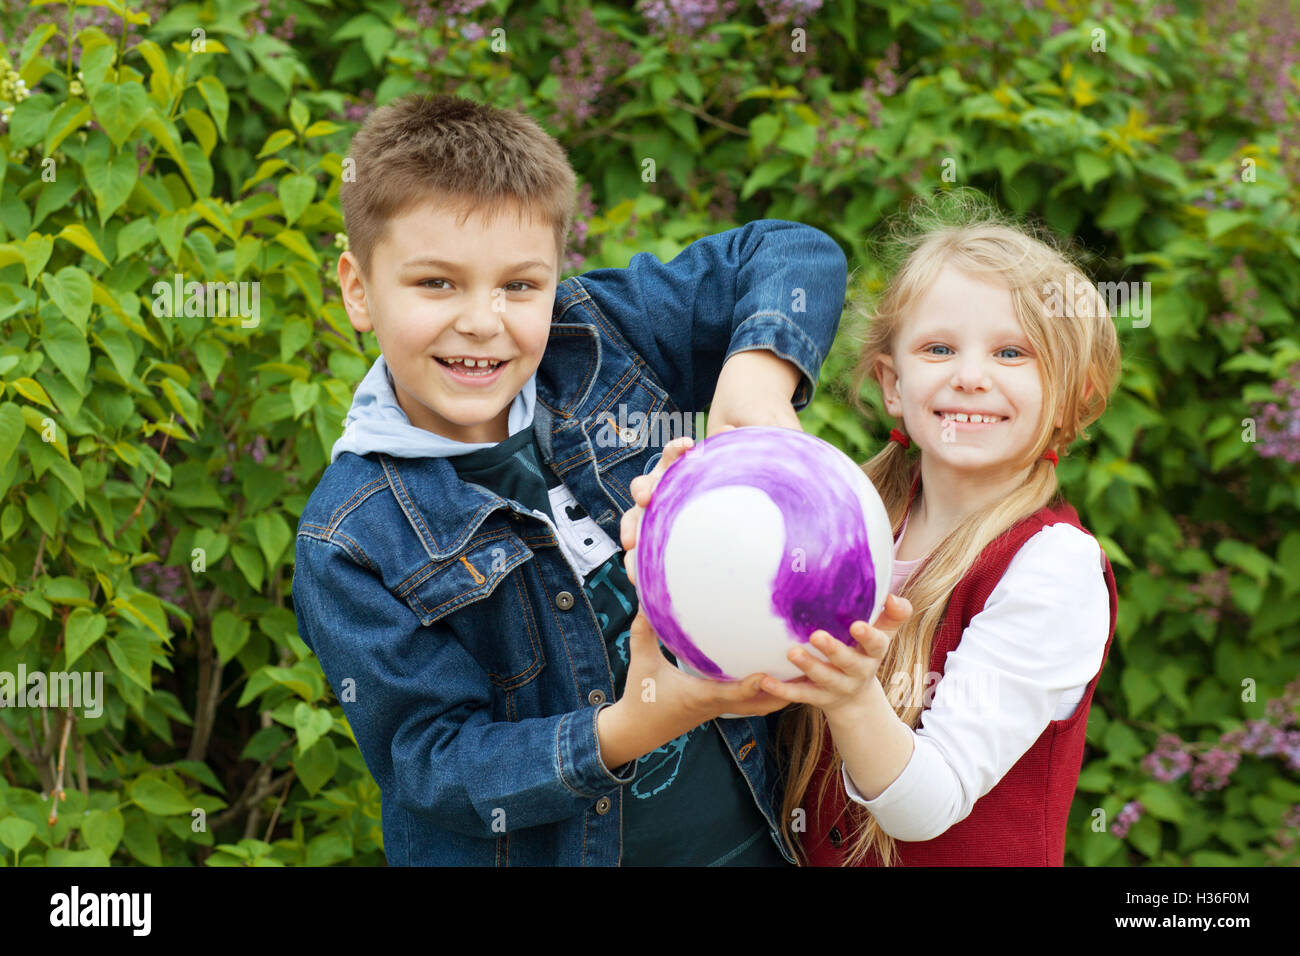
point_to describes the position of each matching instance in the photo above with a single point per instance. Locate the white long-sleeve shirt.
(1024, 660)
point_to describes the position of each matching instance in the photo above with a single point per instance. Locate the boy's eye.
(425, 282)
(519, 282)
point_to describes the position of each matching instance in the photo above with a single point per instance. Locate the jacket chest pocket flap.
(498, 632)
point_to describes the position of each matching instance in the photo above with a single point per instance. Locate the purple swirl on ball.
(831, 585)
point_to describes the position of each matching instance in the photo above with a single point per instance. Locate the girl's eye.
(1012, 348)
(937, 347)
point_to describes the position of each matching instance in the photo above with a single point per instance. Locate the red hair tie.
(896, 435)
(1050, 456)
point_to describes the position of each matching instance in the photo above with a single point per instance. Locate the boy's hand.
(642, 487)
(844, 682)
(660, 702)
(755, 387)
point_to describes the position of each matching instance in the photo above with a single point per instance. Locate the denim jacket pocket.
(632, 419)
(496, 633)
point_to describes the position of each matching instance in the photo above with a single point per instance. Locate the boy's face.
(440, 290)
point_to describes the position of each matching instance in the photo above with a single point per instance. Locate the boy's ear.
(888, 379)
(353, 291)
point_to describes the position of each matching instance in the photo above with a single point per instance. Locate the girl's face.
(962, 350)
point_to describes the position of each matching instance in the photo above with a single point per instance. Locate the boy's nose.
(484, 316)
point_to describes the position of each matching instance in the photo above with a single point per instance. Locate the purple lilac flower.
(1168, 761)
(789, 11)
(1127, 816)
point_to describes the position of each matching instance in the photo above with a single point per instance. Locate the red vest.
(1021, 821)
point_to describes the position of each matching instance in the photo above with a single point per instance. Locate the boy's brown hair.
(476, 158)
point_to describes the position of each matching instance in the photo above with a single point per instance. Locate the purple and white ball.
(753, 540)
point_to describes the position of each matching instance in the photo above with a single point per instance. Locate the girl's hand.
(843, 682)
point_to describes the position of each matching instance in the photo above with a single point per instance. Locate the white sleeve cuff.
(909, 808)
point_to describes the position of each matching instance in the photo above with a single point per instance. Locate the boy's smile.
(462, 312)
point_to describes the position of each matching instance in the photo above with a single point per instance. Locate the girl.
(955, 736)
(957, 739)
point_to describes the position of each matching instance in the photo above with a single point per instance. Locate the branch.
(139, 505)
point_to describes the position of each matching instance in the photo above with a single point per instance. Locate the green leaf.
(320, 128)
(36, 252)
(214, 94)
(229, 635)
(12, 427)
(304, 395)
(16, 833)
(1241, 555)
(273, 535)
(296, 194)
(29, 121)
(297, 243)
(276, 142)
(311, 724)
(316, 766)
(133, 655)
(299, 115)
(203, 129)
(67, 349)
(1091, 168)
(110, 182)
(67, 119)
(1139, 688)
(102, 830)
(155, 795)
(84, 628)
(120, 107)
(80, 236)
(1161, 801)
(140, 838)
(249, 561)
(70, 290)
(135, 235)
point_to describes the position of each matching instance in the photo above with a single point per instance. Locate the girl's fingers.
(798, 691)
(872, 640)
(850, 660)
(629, 565)
(825, 675)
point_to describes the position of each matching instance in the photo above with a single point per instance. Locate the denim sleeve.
(421, 711)
(770, 284)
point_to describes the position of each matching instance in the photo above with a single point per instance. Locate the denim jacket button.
(564, 600)
(603, 805)
(596, 697)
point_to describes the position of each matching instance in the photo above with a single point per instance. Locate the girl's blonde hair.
(1078, 354)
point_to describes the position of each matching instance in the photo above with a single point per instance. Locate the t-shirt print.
(583, 542)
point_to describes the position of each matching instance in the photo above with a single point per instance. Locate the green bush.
(155, 455)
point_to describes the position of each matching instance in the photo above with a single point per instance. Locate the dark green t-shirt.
(689, 805)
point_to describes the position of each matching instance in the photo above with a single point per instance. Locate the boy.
(458, 572)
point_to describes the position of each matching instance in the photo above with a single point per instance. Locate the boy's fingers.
(629, 565)
(629, 526)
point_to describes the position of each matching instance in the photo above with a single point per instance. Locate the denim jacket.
(468, 661)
